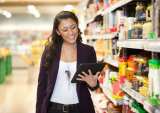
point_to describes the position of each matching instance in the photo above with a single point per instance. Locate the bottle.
(154, 77)
(157, 78)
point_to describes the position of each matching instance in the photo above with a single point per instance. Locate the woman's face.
(68, 30)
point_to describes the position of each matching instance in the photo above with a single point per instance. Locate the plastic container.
(122, 66)
(132, 67)
(2, 70)
(154, 77)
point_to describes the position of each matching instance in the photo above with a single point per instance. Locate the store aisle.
(18, 93)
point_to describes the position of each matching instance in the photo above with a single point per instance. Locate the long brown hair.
(56, 40)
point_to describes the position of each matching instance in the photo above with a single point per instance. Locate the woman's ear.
(58, 32)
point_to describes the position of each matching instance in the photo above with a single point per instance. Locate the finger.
(84, 73)
(98, 73)
(79, 79)
(90, 72)
(81, 76)
(96, 76)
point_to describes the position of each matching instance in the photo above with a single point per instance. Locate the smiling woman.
(63, 54)
(68, 30)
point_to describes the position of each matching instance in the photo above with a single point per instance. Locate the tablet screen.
(84, 67)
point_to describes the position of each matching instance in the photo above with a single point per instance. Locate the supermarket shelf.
(101, 36)
(99, 58)
(148, 45)
(111, 62)
(110, 9)
(117, 5)
(150, 108)
(108, 94)
(141, 99)
(132, 43)
(135, 95)
(90, 20)
(152, 45)
(100, 12)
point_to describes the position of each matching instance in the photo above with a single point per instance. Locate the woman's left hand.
(90, 79)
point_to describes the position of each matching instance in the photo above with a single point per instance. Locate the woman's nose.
(70, 31)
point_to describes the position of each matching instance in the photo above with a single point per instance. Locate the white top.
(65, 91)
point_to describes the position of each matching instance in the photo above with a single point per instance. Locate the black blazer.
(85, 54)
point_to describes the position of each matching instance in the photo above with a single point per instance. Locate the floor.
(18, 93)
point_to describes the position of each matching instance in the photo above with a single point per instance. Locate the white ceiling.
(42, 9)
(44, 6)
(21, 19)
(39, 1)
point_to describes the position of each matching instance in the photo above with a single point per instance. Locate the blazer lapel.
(79, 54)
(79, 61)
(55, 67)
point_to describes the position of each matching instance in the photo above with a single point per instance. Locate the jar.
(132, 67)
(137, 31)
(140, 12)
(122, 66)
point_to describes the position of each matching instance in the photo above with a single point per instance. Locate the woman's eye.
(65, 30)
(73, 27)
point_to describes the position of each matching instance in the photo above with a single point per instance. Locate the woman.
(61, 57)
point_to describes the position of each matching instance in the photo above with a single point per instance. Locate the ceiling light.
(33, 11)
(7, 14)
(31, 8)
(37, 15)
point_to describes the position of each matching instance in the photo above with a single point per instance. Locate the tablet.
(84, 67)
